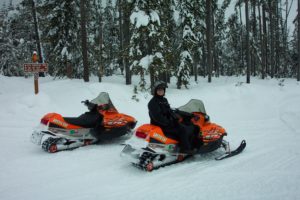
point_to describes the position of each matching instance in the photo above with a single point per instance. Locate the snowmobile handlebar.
(183, 113)
(91, 106)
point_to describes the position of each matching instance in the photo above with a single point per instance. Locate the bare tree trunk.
(247, 42)
(284, 41)
(261, 38)
(254, 30)
(101, 67)
(37, 35)
(196, 72)
(271, 15)
(298, 73)
(241, 39)
(84, 41)
(265, 42)
(216, 70)
(195, 65)
(277, 40)
(126, 35)
(204, 61)
(151, 69)
(121, 33)
(209, 39)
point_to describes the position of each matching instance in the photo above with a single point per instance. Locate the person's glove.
(206, 118)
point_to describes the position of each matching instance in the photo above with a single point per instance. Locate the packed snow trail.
(263, 113)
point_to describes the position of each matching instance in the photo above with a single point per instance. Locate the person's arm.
(156, 114)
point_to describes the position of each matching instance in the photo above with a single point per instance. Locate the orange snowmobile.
(101, 122)
(149, 148)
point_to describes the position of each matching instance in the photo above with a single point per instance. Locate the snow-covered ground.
(265, 113)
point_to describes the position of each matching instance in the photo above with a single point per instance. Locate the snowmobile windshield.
(103, 98)
(194, 105)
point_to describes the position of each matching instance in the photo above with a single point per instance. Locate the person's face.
(160, 91)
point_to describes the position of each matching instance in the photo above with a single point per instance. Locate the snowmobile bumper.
(130, 154)
(38, 134)
(53, 142)
(36, 137)
(148, 160)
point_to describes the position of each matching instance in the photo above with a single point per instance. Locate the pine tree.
(219, 37)
(146, 44)
(127, 7)
(137, 46)
(168, 38)
(188, 42)
(95, 30)
(83, 35)
(61, 36)
(198, 50)
(111, 38)
(231, 59)
(17, 40)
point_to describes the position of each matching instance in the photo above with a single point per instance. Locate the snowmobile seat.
(86, 120)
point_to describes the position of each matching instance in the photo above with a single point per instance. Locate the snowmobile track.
(148, 166)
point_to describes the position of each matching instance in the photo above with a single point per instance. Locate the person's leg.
(184, 138)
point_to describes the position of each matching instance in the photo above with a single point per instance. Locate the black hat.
(158, 85)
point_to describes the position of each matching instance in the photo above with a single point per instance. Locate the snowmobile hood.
(194, 105)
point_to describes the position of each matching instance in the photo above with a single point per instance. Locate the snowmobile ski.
(234, 152)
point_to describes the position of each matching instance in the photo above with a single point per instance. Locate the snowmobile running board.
(234, 152)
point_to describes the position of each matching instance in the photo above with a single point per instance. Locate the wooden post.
(36, 83)
(35, 68)
(35, 59)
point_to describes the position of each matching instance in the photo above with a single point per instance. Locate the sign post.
(35, 68)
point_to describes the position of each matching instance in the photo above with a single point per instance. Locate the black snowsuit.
(161, 115)
(92, 119)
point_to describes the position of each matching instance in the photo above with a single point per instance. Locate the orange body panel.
(112, 118)
(209, 131)
(212, 132)
(199, 120)
(59, 120)
(155, 132)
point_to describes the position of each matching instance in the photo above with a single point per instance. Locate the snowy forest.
(161, 39)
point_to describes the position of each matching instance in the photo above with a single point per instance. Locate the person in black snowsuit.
(162, 115)
(93, 119)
